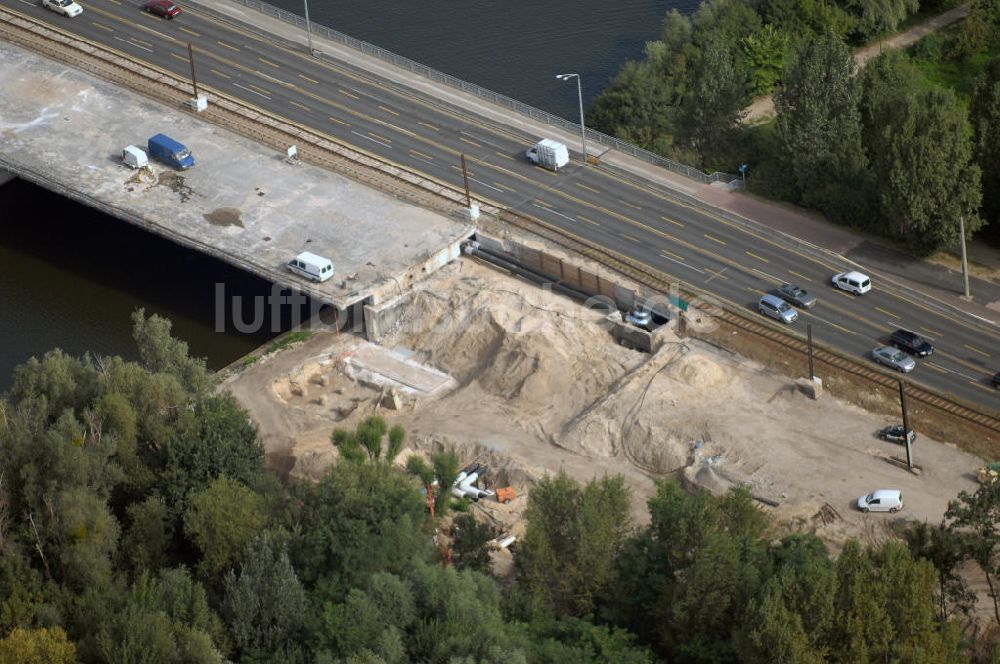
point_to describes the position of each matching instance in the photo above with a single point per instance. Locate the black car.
(911, 342)
(894, 434)
(797, 296)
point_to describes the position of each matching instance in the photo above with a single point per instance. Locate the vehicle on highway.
(894, 359)
(640, 318)
(882, 500)
(795, 295)
(894, 434)
(65, 7)
(162, 8)
(776, 308)
(852, 282)
(911, 342)
(550, 154)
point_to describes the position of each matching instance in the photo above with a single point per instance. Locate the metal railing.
(488, 95)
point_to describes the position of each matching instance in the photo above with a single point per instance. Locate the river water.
(70, 276)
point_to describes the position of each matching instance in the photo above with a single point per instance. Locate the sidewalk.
(936, 280)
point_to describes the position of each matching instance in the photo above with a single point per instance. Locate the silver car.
(894, 358)
(776, 308)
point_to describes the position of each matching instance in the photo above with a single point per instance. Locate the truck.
(170, 152)
(549, 154)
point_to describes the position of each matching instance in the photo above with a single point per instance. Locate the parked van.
(883, 500)
(311, 266)
(170, 152)
(776, 308)
(134, 157)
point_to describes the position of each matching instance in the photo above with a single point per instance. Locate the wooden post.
(465, 177)
(809, 340)
(194, 79)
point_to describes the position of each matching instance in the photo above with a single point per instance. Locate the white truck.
(550, 154)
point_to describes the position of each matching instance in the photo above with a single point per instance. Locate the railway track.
(325, 151)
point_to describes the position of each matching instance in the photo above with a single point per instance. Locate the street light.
(309, 35)
(579, 92)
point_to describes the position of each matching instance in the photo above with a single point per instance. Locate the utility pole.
(906, 426)
(809, 341)
(194, 80)
(965, 260)
(309, 34)
(465, 177)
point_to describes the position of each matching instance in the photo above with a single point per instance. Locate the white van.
(311, 266)
(853, 282)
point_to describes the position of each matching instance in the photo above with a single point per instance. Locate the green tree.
(766, 52)
(149, 538)
(566, 559)
(946, 549)
(472, 544)
(86, 536)
(977, 516)
(365, 442)
(877, 17)
(220, 520)
(264, 602)
(819, 124)
(37, 646)
(981, 28)
(984, 114)
(163, 353)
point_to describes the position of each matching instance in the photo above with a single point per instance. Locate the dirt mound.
(526, 351)
(698, 371)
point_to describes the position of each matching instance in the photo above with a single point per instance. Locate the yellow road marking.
(381, 138)
(714, 239)
(466, 140)
(931, 332)
(631, 205)
(936, 367)
(589, 221)
(459, 168)
(542, 203)
(671, 254)
(983, 387)
(388, 110)
(798, 274)
(673, 221)
(760, 258)
(102, 26)
(260, 89)
(976, 350)
(844, 293)
(190, 32)
(178, 56)
(887, 312)
(340, 122)
(421, 154)
(219, 73)
(629, 237)
(716, 274)
(958, 360)
(583, 186)
(504, 186)
(302, 106)
(349, 94)
(145, 43)
(306, 78)
(505, 156)
(230, 47)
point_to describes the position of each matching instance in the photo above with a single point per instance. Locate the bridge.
(344, 107)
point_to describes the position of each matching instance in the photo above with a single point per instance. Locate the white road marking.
(369, 138)
(243, 87)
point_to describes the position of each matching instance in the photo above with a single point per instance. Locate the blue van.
(170, 152)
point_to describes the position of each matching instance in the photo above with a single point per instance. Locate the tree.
(366, 441)
(981, 28)
(472, 544)
(149, 538)
(946, 549)
(984, 114)
(819, 124)
(920, 148)
(163, 353)
(264, 602)
(766, 52)
(86, 536)
(877, 17)
(37, 646)
(214, 438)
(565, 561)
(220, 520)
(977, 516)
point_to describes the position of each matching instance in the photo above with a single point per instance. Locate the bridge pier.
(5, 177)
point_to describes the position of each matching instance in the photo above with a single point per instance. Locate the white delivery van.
(553, 155)
(134, 157)
(311, 266)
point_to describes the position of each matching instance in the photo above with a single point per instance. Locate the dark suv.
(911, 342)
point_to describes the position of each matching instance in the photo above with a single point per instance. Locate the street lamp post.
(309, 35)
(579, 94)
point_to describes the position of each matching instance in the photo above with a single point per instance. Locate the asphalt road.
(677, 236)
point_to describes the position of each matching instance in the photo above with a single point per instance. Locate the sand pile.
(524, 349)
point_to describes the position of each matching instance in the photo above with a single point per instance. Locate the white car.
(64, 7)
(883, 500)
(852, 282)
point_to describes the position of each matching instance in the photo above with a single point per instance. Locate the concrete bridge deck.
(242, 202)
